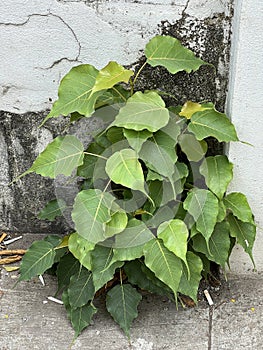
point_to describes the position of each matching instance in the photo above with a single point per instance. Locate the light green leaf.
(203, 206)
(122, 302)
(90, 211)
(81, 289)
(190, 286)
(110, 75)
(67, 267)
(81, 249)
(168, 52)
(172, 129)
(244, 232)
(212, 123)
(152, 176)
(166, 266)
(116, 224)
(222, 212)
(61, 156)
(75, 92)
(195, 150)
(143, 111)
(219, 244)
(102, 268)
(124, 168)
(166, 143)
(238, 204)
(136, 138)
(52, 209)
(38, 258)
(174, 235)
(218, 173)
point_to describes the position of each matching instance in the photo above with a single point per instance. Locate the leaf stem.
(133, 82)
(95, 155)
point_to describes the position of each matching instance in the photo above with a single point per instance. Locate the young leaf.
(219, 244)
(189, 108)
(61, 156)
(238, 204)
(124, 168)
(174, 235)
(244, 232)
(122, 302)
(168, 52)
(67, 267)
(195, 150)
(212, 123)
(110, 75)
(203, 206)
(102, 268)
(75, 92)
(136, 138)
(189, 286)
(38, 258)
(52, 209)
(90, 211)
(143, 111)
(81, 289)
(166, 266)
(218, 173)
(81, 249)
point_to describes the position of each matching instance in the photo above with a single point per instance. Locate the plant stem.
(95, 155)
(136, 77)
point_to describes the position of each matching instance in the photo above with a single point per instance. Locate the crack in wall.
(76, 59)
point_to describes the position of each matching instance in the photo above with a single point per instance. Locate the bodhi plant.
(151, 212)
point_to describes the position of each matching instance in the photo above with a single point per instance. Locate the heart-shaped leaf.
(168, 52)
(81, 289)
(195, 150)
(238, 204)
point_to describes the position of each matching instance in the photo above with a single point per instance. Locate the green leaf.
(81, 289)
(110, 75)
(143, 111)
(203, 206)
(102, 268)
(139, 275)
(38, 258)
(116, 95)
(67, 267)
(89, 161)
(218, 173)
(168, 52)
(195, 150)
(75, 92)
(117, 223)
(81, 249)
(61, 156)
(90, 212)
(238, 204)
(122, 302)
(189, 286)
(115, 134)
(166, 266)
(212, 123)
(136, 138)
(166, 143)
(52, 209)
(129, 244)
(174, 235)
(80, 317)
(244, 232)
(124, 168)
(222, 212)
(219, 244)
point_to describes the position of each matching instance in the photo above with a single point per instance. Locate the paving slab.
(235, 322)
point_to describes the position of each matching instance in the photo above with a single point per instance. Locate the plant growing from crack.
(152, 211)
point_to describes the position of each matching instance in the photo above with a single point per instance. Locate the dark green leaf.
(136, 138)
(52, 209)
(122, 302)
(67, 267)
(81, 289)
(194, 149)
(38, 258)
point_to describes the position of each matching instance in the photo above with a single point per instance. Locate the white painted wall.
(42, 39)
(244, 105)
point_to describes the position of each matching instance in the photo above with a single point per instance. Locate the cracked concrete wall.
(42, 40)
